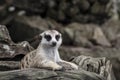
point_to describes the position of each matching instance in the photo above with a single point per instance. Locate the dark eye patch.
(57, 37)
(48, 37)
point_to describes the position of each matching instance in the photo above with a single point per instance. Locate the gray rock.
(26, 27)
(111, 29)
(116, 42)
(100, 38)
(27, 74)
(67, 53)
(101, 66)
(76, 33)
(37, 74)
(4, 34)
(81, 41)
(64, 10)
(84, 35)
(9, 65)
(8, 49)
(6, 14)
(97, 9)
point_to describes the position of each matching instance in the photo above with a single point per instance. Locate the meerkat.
(47, 54)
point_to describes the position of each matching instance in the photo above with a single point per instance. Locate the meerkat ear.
(60, 34)
(35, 40)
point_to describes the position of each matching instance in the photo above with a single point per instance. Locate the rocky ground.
(89, 27)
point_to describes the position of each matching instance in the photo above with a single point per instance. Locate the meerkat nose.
(54, 43)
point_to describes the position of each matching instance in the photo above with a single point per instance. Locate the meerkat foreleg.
(74, 66)
(50, 64)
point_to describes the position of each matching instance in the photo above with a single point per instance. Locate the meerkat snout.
(54, 43)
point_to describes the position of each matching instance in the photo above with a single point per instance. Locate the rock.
(115, 9)
(73, 34)
(9, 65)
(84, 35)
(10, 50)
(91, 1)
(27, 74)
(34, 74)
(63, 11)
(84, 5)
(103, 1)
(116, 42)
(81, 41)
(116, 63)
(67, 35)
(68, 53)
(41, 8)
(100, 38)
(100, 66)
(5, 14)
(76, 74)
(95, 66)
(111, 29)
(4, 35)
(76, 33)
(97, 9)
(26, 27)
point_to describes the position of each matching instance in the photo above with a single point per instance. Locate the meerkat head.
(51, 38)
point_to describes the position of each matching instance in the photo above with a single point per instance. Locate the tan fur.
(27, 61)
(31, 60)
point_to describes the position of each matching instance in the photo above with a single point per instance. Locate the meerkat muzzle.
(54, 44)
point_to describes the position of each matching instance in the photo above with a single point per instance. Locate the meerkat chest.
(51, 54)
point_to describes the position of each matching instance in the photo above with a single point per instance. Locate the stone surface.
(74, 31)
(4, 35)
(26, 27)
(84, 35)
(63, 11)
(100, 38)
(112, 54)
(9, 49)
(111, 29)
(9, 65)
(89, 67)
(37, 74)
(101, 66)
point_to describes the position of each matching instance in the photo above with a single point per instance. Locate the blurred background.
(88, 27)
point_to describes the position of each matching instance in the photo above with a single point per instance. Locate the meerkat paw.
(57, 67)
(74, 66)
(52, 65)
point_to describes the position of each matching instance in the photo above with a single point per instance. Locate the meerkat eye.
(48, 37)
(57, 37)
